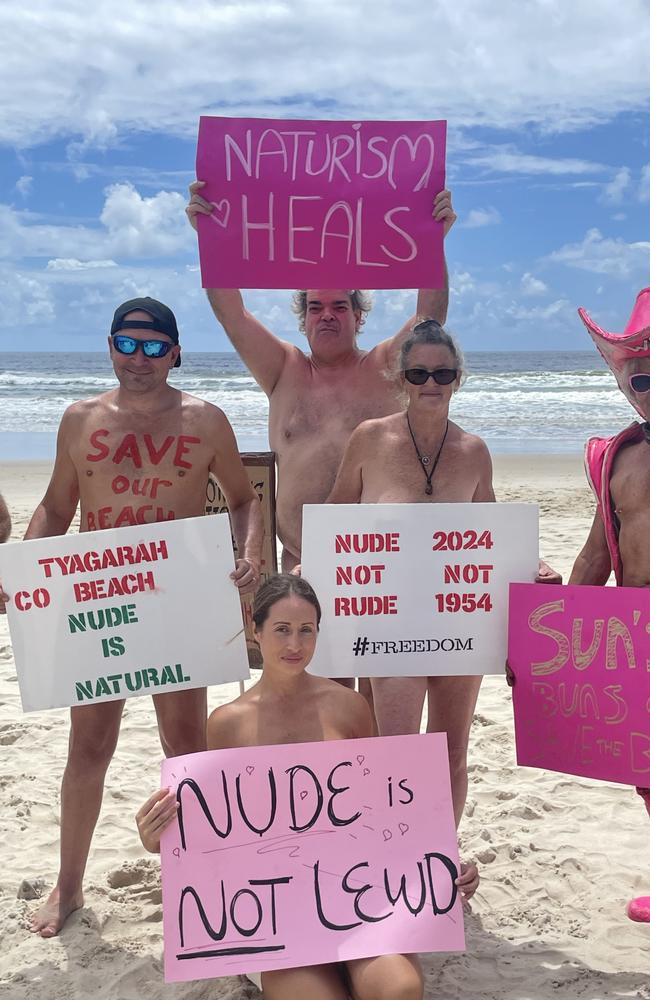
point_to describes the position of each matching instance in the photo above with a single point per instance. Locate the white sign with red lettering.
(103, 615)
(416, 589)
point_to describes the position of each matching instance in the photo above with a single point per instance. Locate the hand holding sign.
(443, 210)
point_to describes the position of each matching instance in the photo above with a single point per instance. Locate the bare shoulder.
(198, 409)
(472, 445)
(370, 431)
(86, 409)
(350, 708)
(227, 724)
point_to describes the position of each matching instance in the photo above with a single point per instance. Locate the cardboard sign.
(102, 615)
(299, 854)
(581, 697)
(327, 204)
(260, 466)
(415, 588)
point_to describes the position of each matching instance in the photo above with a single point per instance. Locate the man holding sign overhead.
(288, 203)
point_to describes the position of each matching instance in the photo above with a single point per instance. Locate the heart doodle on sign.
(223, 208)
(403, 827)
(387, 835)
(250, 769)
(176, 852)
(360, 758)
(366, 771)
(303, 795)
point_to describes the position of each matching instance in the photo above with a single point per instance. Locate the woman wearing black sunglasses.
(421, 456)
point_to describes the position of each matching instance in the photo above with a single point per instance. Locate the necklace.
(424, 459)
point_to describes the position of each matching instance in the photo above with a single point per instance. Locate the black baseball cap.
(162, 319)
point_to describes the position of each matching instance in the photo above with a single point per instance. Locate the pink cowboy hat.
(618, 348)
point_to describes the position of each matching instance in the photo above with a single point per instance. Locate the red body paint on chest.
(129, 448)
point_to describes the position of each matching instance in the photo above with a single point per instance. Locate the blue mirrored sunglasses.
(150, 348)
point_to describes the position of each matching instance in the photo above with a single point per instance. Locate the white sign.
(416, 589)
(102, 615)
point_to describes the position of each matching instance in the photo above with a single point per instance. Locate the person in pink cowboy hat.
(618, 470)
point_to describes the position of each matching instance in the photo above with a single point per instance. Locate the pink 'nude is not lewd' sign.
(299, 854)
(298, 204)
(581, 657)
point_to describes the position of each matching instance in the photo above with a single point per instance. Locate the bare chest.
(393, 473)
(630, 485)
(310, 407)
(139, 475)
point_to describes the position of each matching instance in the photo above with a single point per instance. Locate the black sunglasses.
(441, 376)
(150, 348)
(639, 382)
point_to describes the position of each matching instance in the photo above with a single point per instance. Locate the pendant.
(428, 489)
(425, 460)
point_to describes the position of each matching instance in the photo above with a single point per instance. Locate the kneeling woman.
(288, 705)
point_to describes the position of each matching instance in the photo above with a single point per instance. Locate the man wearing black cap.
(137, 454)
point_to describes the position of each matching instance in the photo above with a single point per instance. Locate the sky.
(548, 159)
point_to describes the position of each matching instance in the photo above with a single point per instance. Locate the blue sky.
(548, 105)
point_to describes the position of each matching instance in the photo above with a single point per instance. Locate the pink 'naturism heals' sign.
(326, 204)
(581, 658)
(299, 854)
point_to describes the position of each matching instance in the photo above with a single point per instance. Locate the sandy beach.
(559, 856)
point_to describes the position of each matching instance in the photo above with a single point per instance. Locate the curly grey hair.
(360, 299)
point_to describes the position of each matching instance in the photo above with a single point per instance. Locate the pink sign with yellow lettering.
(327, 204)
(300, 854)
(581, 657)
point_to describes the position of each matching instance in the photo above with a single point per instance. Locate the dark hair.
(429, 331)
(275, 589)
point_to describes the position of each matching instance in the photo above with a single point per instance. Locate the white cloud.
(71, 264)
(531, 286)
(603, 255)
(150, 67)
(24, 185)
(561, 307)
(145, 227)
(479, 217)
(131, 226)
(614, 191)
(644, 185)
(26, 301)
(508, 160)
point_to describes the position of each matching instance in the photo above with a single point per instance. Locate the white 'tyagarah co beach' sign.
(416, 589)
(103, 615)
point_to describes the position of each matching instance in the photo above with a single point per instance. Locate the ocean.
(527, 402)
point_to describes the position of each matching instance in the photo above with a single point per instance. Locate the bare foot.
(51, 916)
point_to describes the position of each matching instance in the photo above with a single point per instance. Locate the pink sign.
(581, 657)
(305, 853)
(326, 204)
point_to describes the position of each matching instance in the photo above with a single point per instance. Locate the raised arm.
(54, 513)
(243, 504)
(262, 352)
(432, 303)
(5, 520)
(594, 564)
